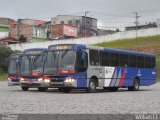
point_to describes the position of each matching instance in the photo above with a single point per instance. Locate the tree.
(22, 38)
(5, 52)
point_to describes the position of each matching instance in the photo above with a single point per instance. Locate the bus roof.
(121, 51)
(66, 47)
(34, 51)
(83, 46)
(30, 49)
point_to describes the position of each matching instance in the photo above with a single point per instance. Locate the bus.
(32, 69)
(14, 69)
(71, 66)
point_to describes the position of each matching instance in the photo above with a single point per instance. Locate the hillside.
(143, 44)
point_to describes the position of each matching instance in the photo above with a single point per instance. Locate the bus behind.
(32, 69)
(14, 69)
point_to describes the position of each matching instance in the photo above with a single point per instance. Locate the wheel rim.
(136, 85)
(92, 85)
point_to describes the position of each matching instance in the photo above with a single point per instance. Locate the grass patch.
(149, 44)
(133, 44)
(3, 76)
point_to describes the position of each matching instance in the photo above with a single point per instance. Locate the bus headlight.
(47, 80)
(70, 80)
(40, 79)
(22, 79)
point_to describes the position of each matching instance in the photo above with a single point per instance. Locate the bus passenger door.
(82, 66)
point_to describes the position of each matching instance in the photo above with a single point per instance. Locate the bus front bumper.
(11, 83)
(34, 84)
(63, 84)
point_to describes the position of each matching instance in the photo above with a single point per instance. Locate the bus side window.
(148, 63)
(104, 58)
(153, 62)
(114, 59)
(140, 61)
(94, 57)
(123, 60)
(132, 61)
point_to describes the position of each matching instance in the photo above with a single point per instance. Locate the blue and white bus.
(14, 69)
(32, 69)
(71, 66)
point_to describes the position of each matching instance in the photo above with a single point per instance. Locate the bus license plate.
(56, 83)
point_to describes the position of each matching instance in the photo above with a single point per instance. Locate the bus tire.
(105, 88)
(92, 86)
(24, 88)
(65, 90)
(60, 89)
(42, 89)
(135, 87)
(113, 89)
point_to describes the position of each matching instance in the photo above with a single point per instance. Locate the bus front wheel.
(65, 90)
(135, 87)
(24, 88)
(92, 86)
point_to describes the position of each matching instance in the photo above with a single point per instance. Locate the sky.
(110, 13)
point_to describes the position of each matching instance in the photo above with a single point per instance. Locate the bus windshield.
(32, 65)
(12, 69)
(61, 62)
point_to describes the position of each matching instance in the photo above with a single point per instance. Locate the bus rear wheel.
(25, 88)
(42, 89)
(135, 86)
(92, 86)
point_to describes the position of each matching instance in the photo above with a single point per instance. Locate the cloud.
(44, 9)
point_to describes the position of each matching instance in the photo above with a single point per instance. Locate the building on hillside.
(8, 40)
(8, 22)
(39, 32)
(86, 26)
(149, 25)
(25, 28)
(4, 31)
(63, 31)
(48, 26)
(6, 27)
(34, 30)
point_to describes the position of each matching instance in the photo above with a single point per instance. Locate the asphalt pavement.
(14, 100)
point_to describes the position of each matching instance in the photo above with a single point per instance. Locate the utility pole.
(18, 22)
(86, 12)
(136, 22)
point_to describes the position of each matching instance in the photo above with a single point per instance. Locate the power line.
(149, 10)
(111, 15)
